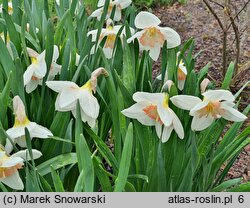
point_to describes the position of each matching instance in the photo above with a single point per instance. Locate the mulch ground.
(194, 20)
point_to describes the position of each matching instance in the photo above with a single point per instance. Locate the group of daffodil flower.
(150, 109)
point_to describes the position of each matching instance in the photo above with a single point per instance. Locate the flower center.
(212, 108)
(34, 60)
(5, 172)
(151, 37)
(151, 112)
(21, 122)
(10, 10)
(87, 86)
(110, 42)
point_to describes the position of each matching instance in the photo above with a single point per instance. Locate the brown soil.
(194, 20)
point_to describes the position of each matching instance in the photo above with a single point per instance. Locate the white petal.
(58, 86)
(93, 34)
(215, 95)
(177, 125)
(21, 141)
(25, 154)
(149, 97)
(68, 98)
(101, 3)
(125, 3)
(40, 132)
(136, 112)
(232, 114)
(15, 132)
(65, 108)
(164, 114)
(40, 69)
(185, 102)
(31, 86)
(85, 118)
(199, 124)
(77, 59)
(32, 53)
(167, 130)
(146, 19)
(28, 74)
(55, 53)
(10, 162)
(204, 84)
(8, 147)
(172, 37)
(155, 52)
(136, 35)
(97, 13)
(108, 52)
(89, 104)
(181, 84)
(14, 181)
(158, 128)
(183, 68)
(118, 14)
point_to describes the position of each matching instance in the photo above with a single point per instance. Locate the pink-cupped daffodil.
(151, 109)
(110, 32)
(70, 93)
(215, 104)
(35, 73)
(9, 166)
(17, 132)
(181, 74)
(152, 37)
(10, 8)
(118, 4)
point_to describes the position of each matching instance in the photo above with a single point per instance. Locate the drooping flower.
(54, 68)
(10, 8)
(215, 104)
(152, 37)
(118, 4)
(70, 93)
(9, 166)
(35, 72)
(181, 74)
(17, 132)
(152, 109)
(110, 32)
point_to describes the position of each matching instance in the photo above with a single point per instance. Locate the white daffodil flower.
(10, 8)
(181, 74)
(9, 166)
(152, 36)
(110, 32)
(17, 132)
(34, 74)
(215, 104)
(118, 4)
(70, 93)
(152, 109)
(54, 68)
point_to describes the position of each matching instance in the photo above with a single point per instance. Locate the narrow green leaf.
(125, 160)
